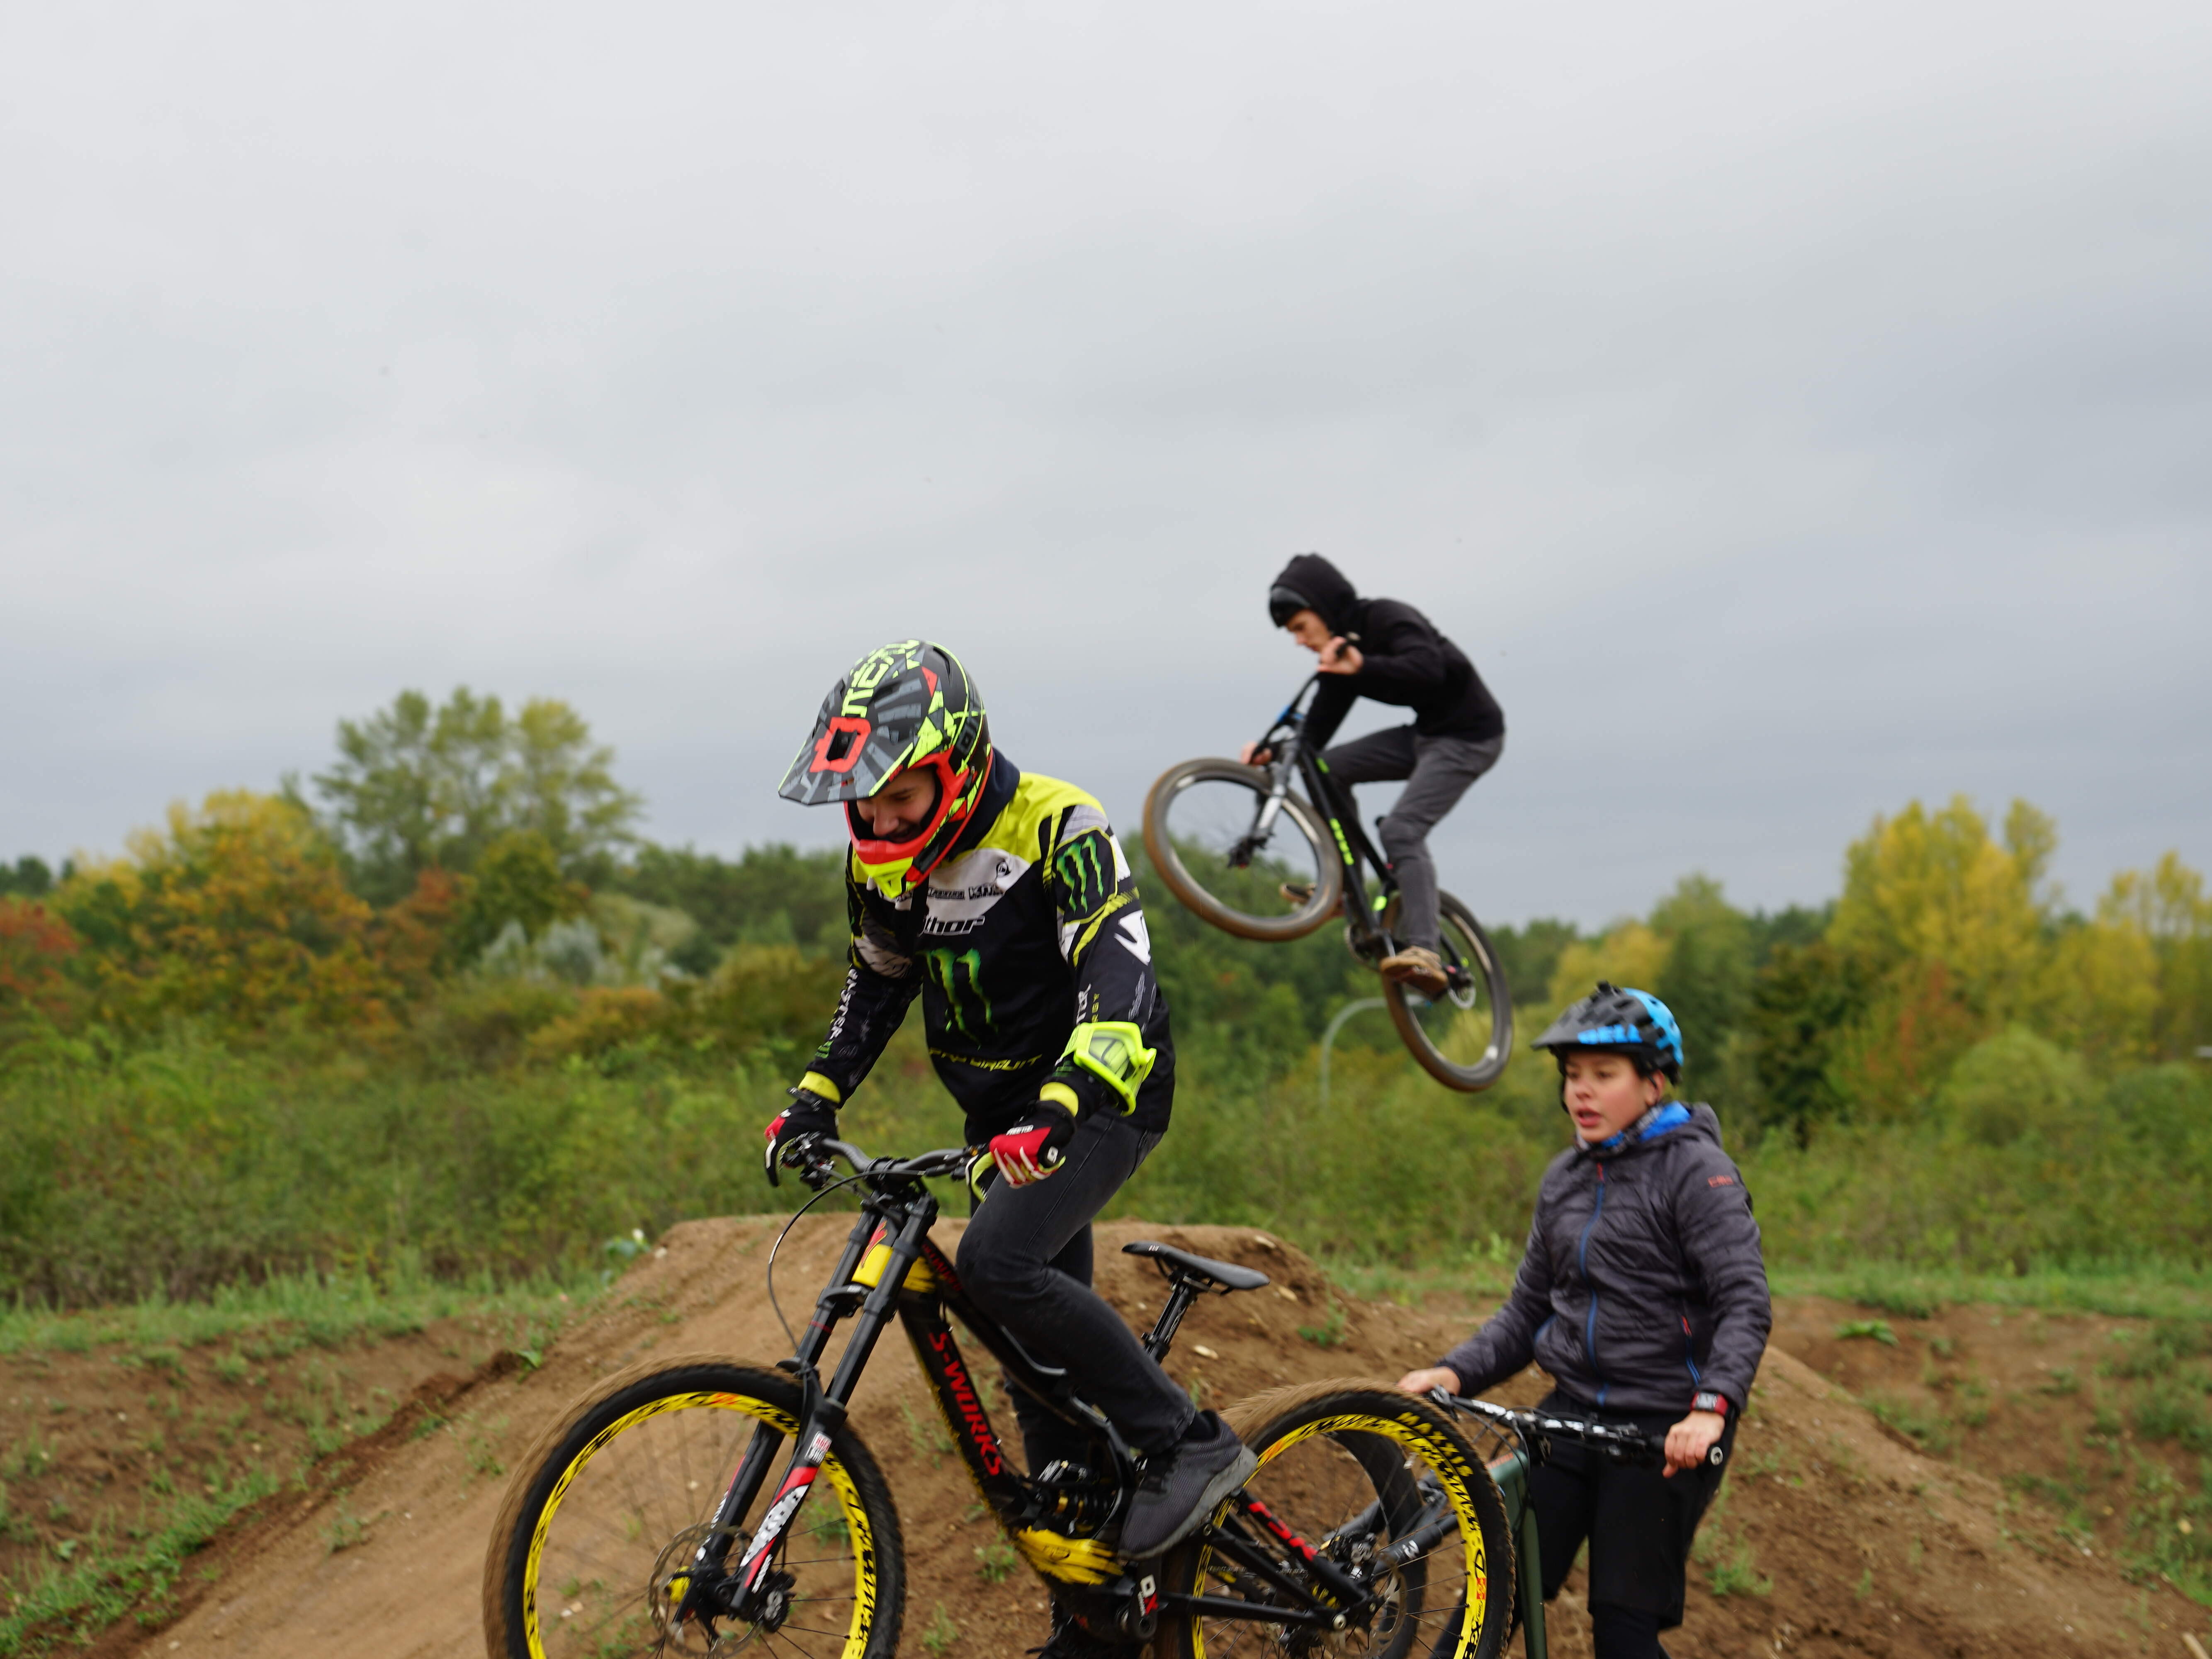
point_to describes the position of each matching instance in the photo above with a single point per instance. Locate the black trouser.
(1640, 1523)
(1026, 1260)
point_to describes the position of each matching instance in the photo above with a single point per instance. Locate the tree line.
(461, 855)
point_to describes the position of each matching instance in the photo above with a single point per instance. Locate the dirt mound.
(1832, 1538)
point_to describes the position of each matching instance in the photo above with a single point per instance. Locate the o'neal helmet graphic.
(907, 704)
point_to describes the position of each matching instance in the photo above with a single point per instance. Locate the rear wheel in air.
(1463, 1036)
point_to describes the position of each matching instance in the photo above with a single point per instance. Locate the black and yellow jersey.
(1030, 952)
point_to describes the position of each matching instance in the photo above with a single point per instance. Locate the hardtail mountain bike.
(1241, 847)
(703, 1505)
(1514, 1441)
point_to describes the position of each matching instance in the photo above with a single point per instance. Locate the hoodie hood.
(1324, 587)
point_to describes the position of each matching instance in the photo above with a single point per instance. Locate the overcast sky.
(1792, 409)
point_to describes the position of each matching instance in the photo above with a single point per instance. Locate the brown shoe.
(1419, 967)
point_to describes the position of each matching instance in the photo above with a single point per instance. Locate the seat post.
(1164, 1327)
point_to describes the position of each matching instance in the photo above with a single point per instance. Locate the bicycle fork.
(753, 1591)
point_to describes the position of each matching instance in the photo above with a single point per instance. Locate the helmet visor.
(1284, 603)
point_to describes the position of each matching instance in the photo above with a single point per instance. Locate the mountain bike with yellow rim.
(702, 1505)
(1241, 847)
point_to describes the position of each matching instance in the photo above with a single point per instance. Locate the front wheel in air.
(1252, 863)
(1380, 1485)
(1463, 1036)
(596, 1543)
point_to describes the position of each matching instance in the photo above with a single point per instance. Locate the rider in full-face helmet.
(1644, 1294)
(1003, 900)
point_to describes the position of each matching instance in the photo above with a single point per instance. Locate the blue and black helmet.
(1616, 1022)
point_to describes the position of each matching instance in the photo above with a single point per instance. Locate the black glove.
(808, 1119)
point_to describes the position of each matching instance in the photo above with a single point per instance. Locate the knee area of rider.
(1619, 1632)
(996, 1277)
(1398, 839)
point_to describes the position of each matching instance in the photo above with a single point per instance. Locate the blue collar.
(1658, 1121)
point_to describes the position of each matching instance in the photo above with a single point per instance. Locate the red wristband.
(1710, 1401)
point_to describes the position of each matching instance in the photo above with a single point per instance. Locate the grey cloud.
(1793, 409)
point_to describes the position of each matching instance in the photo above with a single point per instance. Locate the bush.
(2012, 1083)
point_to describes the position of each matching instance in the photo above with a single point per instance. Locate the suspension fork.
(826, 1413)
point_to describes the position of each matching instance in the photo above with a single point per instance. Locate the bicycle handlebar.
(817, 1162)
(1624, 1444)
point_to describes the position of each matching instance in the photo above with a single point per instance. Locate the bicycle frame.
(890, 1267)
(1293, 758)
(1510, 1472)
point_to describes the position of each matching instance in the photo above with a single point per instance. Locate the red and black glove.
(1035, 1147)
(808, 1119)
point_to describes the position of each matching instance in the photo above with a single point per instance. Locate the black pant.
(1638, 1521)
(1026, 1260)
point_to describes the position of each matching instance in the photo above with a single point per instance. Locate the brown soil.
(1834, 1533)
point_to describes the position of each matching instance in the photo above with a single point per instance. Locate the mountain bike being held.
(1002, 899)
(1644, 1294)
(1386, 650)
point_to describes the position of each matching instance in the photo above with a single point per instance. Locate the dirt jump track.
(1849, 1542)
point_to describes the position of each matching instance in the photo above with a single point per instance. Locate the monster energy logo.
(947, 970)
(1085, 873)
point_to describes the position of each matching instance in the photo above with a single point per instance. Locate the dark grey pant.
(1437, 771)
(1026, 1260)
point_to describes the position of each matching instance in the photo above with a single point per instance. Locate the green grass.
(325, 1311)
(103, 1578)
(1876, 1330)
(995, 1561)
(2150, 1290)
(939, 1635)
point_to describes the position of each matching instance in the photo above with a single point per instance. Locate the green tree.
(773, 894)
(235, 912)
(417, 788)
(29, 878)
(1803, 998)
(518, 879)
(1707, 977)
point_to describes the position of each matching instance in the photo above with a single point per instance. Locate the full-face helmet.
(905, 706)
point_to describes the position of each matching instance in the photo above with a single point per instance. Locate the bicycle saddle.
(1226, 1274)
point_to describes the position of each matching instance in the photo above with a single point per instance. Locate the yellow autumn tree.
(236, 911)
(2167, 906)
(1949, 927)
(1630, 953)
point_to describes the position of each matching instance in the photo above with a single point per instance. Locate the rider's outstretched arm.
(881, 980)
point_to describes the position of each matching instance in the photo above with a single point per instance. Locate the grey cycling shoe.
(1181, 1485)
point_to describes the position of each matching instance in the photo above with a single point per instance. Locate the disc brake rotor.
(696, 1637)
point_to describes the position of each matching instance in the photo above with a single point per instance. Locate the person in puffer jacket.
(1644, 1294)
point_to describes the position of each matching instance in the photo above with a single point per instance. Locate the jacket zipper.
(1581, 1262)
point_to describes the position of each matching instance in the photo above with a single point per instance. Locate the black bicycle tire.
(1361, 1406)
(570, 1439)
(1329, 887)
(1467, 1079)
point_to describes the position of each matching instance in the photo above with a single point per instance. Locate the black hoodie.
(1404, 662)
